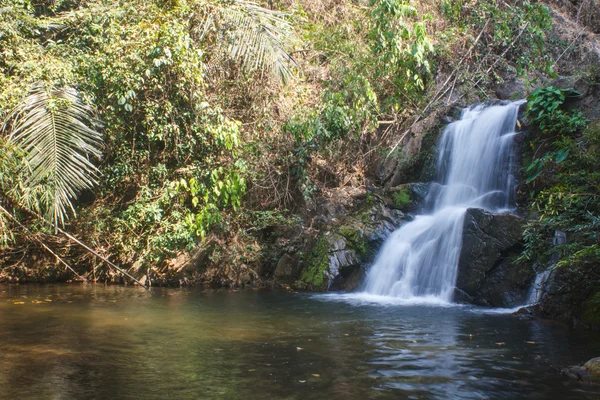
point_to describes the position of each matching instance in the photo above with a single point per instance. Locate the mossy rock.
(593, 369)
(316, 265)
(357, 241)
(401, 199)
(407, 197)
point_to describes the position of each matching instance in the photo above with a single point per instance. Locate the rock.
(415, 158)
(460, 296)
(338, 258)
(485, 268)
(588, 373)
(577, 373)
(196, 259)
(287, 266)
(407, 197)
(593, 369)
(528, 312)
(511, 89)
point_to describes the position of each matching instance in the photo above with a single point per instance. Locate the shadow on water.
(96, 342)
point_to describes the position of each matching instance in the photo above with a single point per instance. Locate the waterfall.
(538, 288)
(420, 259)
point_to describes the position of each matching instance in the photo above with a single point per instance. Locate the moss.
(365, 215)
(357, 241)
(316, 262)
(401, 199)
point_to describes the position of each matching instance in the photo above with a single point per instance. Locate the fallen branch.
(32, 235)
(77, 241)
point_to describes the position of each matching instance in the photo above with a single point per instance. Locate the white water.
(418, 262)
(538, 288)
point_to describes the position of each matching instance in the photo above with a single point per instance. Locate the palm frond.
(57, 133)
(253, 36)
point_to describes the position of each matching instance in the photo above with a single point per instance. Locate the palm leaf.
(57, 133)
(251, 35)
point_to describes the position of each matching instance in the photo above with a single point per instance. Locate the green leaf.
(57, 133)
(561, 155)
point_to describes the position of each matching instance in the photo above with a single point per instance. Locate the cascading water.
(420, 259)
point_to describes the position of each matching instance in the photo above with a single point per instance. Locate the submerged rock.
(486, 271)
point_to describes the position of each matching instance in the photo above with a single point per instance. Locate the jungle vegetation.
(147, 128)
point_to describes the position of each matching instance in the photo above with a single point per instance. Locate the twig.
(568, 47)
(32, 235)
(498, 59)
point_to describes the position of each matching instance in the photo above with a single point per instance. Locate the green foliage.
(568, 200)
(545, 111)
(544, 108)
(401, 199)
(57, 133)
(251, 35)
(142, 65)
(377, 58)
(400, 44)
(515, 30)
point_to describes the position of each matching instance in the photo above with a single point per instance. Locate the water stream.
(95, 342)
(418, 262)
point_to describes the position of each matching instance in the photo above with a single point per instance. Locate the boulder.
(287, 267)
(593, 369)
(511, 89)
(486, 271)
(588, 373)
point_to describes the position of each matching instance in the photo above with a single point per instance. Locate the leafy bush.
(567, 198)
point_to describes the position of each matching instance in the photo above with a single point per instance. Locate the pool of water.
(96, 342)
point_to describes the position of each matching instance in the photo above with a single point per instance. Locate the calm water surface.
(96, 342)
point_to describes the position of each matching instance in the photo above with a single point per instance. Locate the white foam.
(364, 298)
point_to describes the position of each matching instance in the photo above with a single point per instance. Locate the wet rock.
(528, 312)
(338, 258)
(486, 270)
(461, 296)
(407, 197)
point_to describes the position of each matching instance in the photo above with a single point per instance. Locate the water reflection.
(95, 342)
